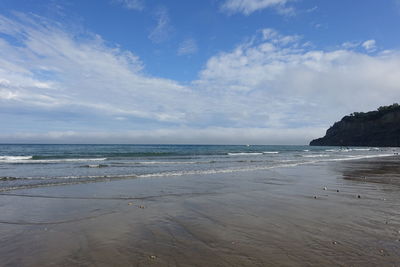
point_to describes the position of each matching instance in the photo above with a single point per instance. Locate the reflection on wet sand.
(383, 171)
(261, 218)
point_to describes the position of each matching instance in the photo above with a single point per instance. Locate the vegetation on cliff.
(375, 128)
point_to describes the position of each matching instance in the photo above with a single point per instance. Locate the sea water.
(29, 166)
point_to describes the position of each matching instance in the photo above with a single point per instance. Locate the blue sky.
(212, 71)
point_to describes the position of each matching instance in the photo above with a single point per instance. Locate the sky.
(192, 72)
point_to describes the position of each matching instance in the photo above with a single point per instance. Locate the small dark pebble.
(337, 190)
(358, 196)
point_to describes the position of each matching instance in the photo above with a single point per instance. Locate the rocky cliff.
(374, 128)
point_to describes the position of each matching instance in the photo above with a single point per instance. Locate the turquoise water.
(26, 166)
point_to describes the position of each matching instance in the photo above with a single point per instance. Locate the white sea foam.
(271, 152)
(28, 159)
(249, 168)
(362, 157)
(14, 158)
(315, 156)
(165, 162)
(214, 171)
(96, 166)
(245, 154)
(69, 160)
(282, 164)
(339, 150)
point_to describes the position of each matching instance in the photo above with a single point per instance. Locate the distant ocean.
(28, 166)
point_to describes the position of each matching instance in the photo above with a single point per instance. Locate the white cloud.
(274, 37)
(131, 4)
(272, 89)
(58, 69)
(289, 85)
(312, 9)
(187, 47)
(249, 6)
(163, 29)
(369, 45)
(350, 45)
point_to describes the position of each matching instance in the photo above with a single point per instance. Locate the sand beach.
(325, 214)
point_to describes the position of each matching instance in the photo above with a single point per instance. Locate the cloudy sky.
(188, 71)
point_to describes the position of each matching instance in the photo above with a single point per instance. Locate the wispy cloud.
(54, 68)
(163, 29)
(187, 47)
(312, 9)
(350, 45)
(131, 4)
(369, 45)
(61, 85)
(247, 7)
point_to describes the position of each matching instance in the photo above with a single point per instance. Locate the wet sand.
(258, 218)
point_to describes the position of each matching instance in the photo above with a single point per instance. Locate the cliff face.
(375, 128)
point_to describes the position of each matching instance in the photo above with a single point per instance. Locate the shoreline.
(254, 218)
(49, 182)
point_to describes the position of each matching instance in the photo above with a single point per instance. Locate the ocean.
(30, 166)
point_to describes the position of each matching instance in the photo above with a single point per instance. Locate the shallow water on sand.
(253, 218)
(30, 166)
